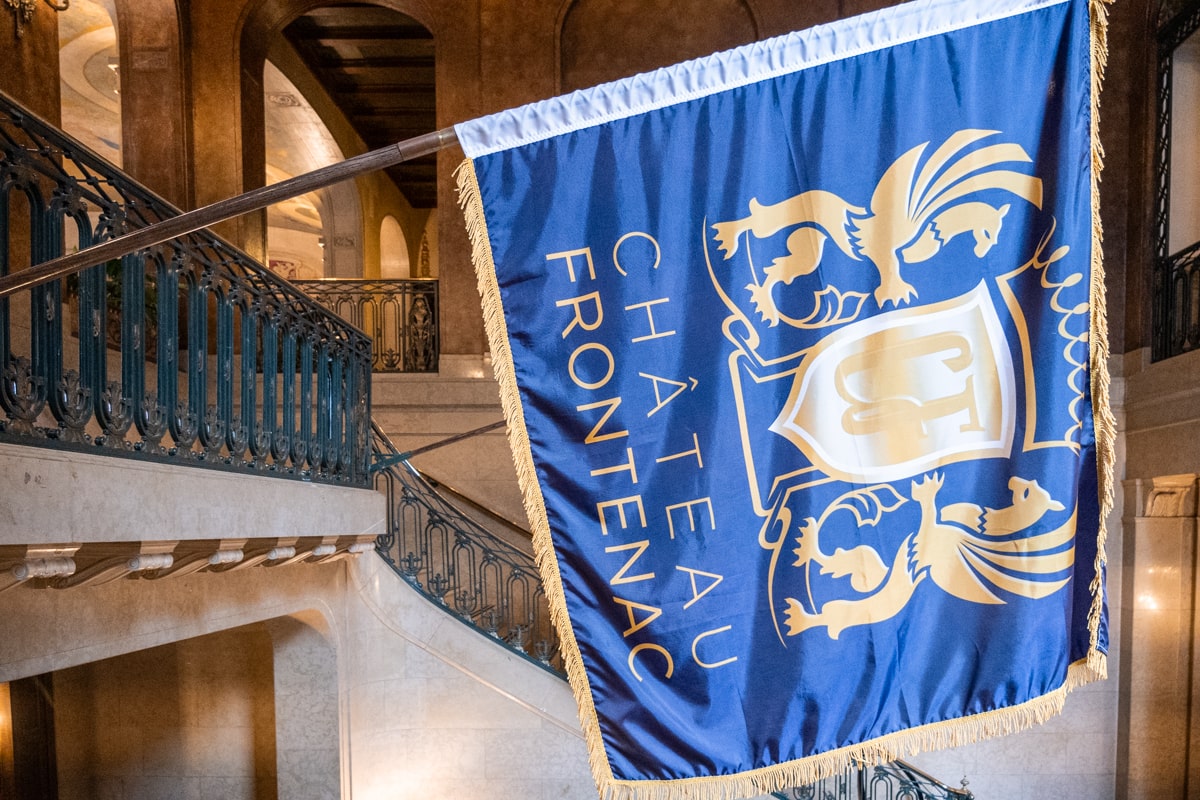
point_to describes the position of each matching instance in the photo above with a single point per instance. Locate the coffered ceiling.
(377, 65)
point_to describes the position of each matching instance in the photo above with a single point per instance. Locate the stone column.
(458, 99)
(1158, 723)
(226, 101)
(154, 124)
(29, 66)
(307, 745)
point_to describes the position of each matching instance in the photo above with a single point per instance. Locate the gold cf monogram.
(896, 379)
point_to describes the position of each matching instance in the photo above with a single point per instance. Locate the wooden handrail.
(227, 209)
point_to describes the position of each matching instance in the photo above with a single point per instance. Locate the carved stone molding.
(264, 552)
(1171, 496)
(192, 557)
(43, 568)
(21, 564)
(109, 563)
(67, 566)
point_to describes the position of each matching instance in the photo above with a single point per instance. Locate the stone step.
(418, 410)
(388, 390)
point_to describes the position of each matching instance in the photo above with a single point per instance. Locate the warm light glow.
(1147, 601)
(5, 729)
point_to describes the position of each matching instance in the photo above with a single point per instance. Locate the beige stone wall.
(437, 710)
(1162, 415)
(375, 692)
(29, 68)
(1159, 727)
(1158, 732)
(189, 719)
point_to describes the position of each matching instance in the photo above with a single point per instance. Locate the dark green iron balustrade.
(472, 572)
(460, 564)
(1175, 317)
(896, 780)
(1177, 303)
(400, 316)
(188, 351)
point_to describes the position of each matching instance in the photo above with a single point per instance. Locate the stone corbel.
(321, 551)
(309, 551)
(325, 551)
(37, 563)
(225, 553)
(151, 557)
(1170, 496)
(68, 566)
(277, 551)
(350, 547)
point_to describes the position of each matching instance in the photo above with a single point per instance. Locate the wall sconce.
(23, 10)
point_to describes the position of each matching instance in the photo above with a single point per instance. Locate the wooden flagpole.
(227, 209)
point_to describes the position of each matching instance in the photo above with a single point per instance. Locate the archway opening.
(300, 234)
(393, 250)
(89, 74)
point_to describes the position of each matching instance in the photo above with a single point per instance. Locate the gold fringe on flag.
(471, 202)
(935, 736)
(1103, 422)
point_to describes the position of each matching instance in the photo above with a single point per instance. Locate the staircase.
(480, 571)
(415, 411)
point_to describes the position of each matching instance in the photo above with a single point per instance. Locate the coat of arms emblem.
(890, 394)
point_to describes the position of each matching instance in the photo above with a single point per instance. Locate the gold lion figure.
(965, 550)
(915, 210)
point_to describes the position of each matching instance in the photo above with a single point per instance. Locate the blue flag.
(802, 351)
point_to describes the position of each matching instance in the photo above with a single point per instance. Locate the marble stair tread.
(418, 410)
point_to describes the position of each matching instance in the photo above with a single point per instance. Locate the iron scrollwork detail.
(188, 351)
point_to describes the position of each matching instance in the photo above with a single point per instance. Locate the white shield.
(905, 392)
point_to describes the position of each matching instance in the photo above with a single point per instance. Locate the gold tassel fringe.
(471, 202)
(1104, 423)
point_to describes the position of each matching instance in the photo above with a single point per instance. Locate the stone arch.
(350, 211)
(260, 25)
(90, 92)
(603, 40)
(267, 689)
(457, 38)
(293, 233)
(393, 250)
(307, 712)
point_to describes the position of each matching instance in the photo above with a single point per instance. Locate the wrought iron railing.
(485, 581)
(400, 316)
(462, 566)
(1177, 304)
(1175, 324)
(896, 780)
(188, 351)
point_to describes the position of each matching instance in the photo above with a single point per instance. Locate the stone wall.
(188, 719)
(370, 690)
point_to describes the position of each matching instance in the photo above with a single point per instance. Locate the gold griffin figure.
(965, 550)
(915, 210)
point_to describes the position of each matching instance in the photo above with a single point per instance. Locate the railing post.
(234, 306)
(399, 316)
(133, 335)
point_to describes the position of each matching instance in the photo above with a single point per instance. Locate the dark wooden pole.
(227, 209)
